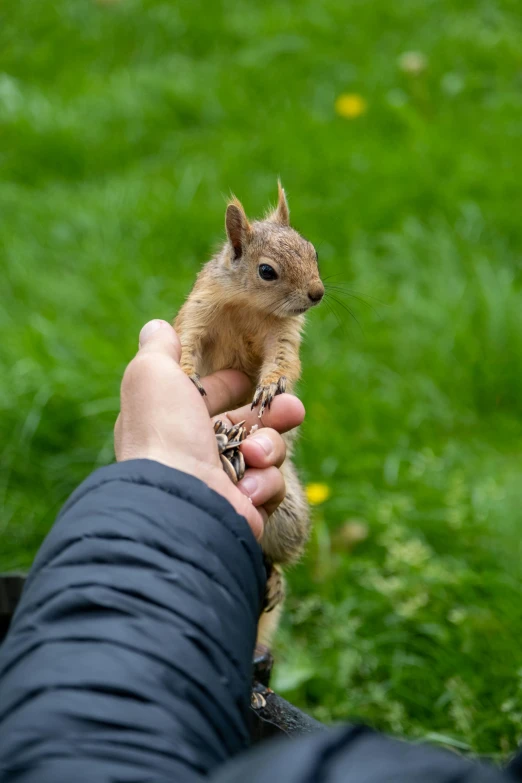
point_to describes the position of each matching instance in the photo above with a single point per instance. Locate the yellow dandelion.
(317, 493)
(350, 105)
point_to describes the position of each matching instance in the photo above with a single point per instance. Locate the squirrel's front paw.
(194, 377)
(266, 392)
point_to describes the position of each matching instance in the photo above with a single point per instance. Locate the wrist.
(211, 475)
(179, 461)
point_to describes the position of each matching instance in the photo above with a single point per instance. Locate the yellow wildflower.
(317, 493)
(350, 105)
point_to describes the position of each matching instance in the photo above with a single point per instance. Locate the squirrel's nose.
(316, 292)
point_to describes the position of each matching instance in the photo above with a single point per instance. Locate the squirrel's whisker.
(352, 292)
(345, 307)
(273, 310)
(329, 277)
(345, 292)
(336, 314)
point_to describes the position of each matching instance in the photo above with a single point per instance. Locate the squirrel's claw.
(281, 385)
(265, 393)
(197, 383)
(257, 397)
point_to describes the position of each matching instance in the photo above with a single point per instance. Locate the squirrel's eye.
(266, 272)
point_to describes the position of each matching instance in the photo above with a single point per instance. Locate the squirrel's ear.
(238, 227)
(281, 213)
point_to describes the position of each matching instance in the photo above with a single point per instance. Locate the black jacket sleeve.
(129, 656)
(354, 754)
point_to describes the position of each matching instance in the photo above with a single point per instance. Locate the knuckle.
(142, 366)
(150, 359)
(282, 446)
(277, 482)
(279, 446)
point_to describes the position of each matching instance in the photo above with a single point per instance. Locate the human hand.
(164, 418)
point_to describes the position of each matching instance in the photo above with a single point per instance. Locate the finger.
(256, 518)
(159, 337)
(149, 329)
(285, 413)
(225, 389)
(264, 487)
(264, 448)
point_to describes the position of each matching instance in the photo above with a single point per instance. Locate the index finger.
(225, 389)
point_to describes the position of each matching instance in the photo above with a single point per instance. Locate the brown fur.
(233, 319)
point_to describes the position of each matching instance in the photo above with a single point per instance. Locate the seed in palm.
(228, 441)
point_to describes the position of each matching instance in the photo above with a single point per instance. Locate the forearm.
(282, 358)
(130, 654)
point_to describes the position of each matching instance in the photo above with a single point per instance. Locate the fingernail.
(150, 328)
(265, 443)
(248, 486)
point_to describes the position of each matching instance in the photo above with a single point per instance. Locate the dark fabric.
(515, 765)
(129, 656)
(354, 754)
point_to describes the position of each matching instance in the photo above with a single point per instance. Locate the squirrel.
(246, 312)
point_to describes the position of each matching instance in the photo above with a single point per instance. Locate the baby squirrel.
(246, 312)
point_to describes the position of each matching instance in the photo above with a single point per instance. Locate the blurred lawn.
(122, 126)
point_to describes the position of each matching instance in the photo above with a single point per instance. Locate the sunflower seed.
(232, 433)
(257, 701)
(229, 470)
(234, 461)
(240, 470)
(232, 444)
(222, 442)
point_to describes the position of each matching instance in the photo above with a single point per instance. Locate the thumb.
(159, 336)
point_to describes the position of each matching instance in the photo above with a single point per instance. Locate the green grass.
(122, 126)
